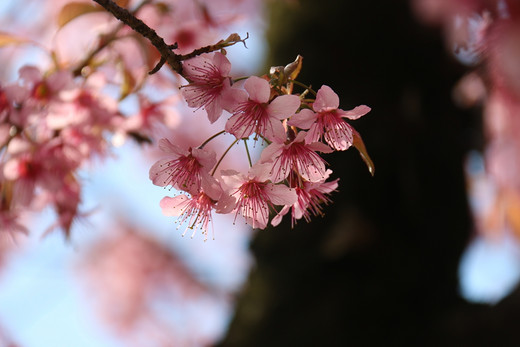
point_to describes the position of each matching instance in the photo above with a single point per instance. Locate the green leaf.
(74, 10)
(360, 146)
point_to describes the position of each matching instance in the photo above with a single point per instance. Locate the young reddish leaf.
(74, 10)
(151, 54)
(122, 3)
(128, 84)
(10, 39)
(360, 145)
(293, 69)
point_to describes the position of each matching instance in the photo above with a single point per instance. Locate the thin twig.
(140, 27)
(167, 55)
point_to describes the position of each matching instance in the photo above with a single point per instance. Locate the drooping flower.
(197, 209)
(298, 157)
(255, 114)
(186, 169)
(11, 226)
(311, 197)
(31, 165)
(66, 203)
(326, 121)
(210, 84)
(255, 195)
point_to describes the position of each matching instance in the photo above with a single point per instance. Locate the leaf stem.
(303, 86)
(211, 138)
(222, 157)
(248, 154)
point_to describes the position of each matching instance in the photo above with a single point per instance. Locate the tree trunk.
(381, 267)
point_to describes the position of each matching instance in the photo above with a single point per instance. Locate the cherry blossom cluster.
(64, 111)
(49, 126)
(54, 120)
(290, 176)
(149, 275)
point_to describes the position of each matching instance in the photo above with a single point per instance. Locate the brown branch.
(167, 55)
(231, 40)
(105, 41)
(140, 27)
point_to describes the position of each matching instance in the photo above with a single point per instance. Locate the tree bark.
(381, 267)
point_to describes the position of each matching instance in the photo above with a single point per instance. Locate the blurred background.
(398, 258)
(401, 258)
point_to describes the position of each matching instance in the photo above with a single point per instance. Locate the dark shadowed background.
(381, 267)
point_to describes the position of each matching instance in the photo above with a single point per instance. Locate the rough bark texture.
(380, 268)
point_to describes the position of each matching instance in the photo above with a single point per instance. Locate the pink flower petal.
(173, 206)
(312, 173)
(280, 194)
(158, 175)
(260, 172)
(232, 97)
(340, 140)
(300, 137)
(190, 93)
(259, 219)
(12, 169)
(231, 180)
(283, 106)
(356, 112)
(205, 157)
(214, 110)
(166, 146)
(225, 204)
(320, 147)
(271, 151)
(210, 186)
(313, 135)
(240, 131)
(275, 132)
(326, 100)
(304, 119)
(278, 218)
(222, 63)
(258, 89)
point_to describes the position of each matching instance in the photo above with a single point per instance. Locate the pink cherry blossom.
(326, 122)
(42, 88)
(298, 157)
(254, 114)
(9, 214)
(210, 85)
(311, 197)
(10, 97)
(83, 106)
(196, 210)
(10, 222)
(24, 172)
(149, 275)
(152, 116)
(32, 165)
(186, 169)
(66, 202)
(255, 195)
